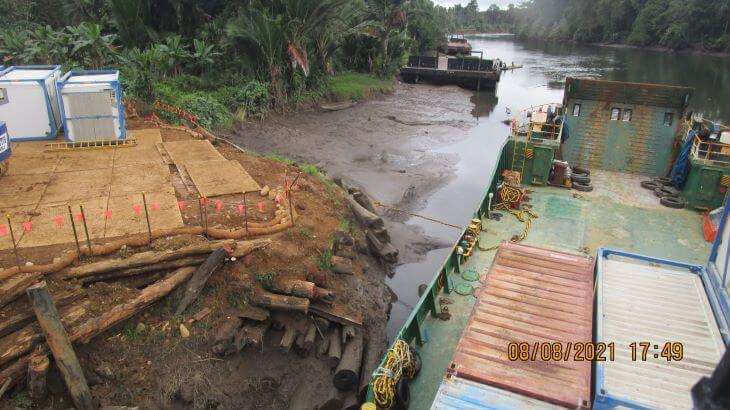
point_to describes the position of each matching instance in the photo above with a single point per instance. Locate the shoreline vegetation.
(236, 61)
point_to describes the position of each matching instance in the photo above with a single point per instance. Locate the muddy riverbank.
(386, 146)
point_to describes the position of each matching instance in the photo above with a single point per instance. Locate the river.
(440, 166)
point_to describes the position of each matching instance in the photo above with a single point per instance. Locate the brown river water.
(431, 150)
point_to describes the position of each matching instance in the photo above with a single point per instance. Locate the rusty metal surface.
(531, 295)
(658, 95)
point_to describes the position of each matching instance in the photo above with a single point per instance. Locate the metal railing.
(716, 152)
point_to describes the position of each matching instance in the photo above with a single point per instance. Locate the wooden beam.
(60, 345)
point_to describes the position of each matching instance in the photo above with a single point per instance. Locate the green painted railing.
(412, 330)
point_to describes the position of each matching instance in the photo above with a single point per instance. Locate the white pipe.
(489, 206)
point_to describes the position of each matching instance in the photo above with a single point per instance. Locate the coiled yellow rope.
(507, 195)
(400, 362)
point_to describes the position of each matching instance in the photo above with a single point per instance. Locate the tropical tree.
(203, 55)
(90, 46)
(175, 54)
(385, 18)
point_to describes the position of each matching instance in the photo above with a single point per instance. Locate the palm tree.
(176, 53)
(385, 18)
(90, 46)
(203, 55)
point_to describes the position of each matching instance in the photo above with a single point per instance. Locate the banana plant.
(175, 52)
(90, 46)
(203, 55)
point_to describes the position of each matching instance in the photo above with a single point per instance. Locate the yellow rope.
(403, 211)
(508, 195)
(400, 362)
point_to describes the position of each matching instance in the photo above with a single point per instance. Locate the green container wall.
(702, 190)
(537, 168)
(640, 146)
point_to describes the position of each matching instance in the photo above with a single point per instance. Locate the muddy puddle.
(431, 150)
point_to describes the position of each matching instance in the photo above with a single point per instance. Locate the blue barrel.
(4, 142)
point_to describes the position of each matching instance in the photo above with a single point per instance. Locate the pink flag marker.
(155, 206)
(181, 204)
(3, 230)
(202, 200)
(108, 214)
(277, 198)
(261, 207)
(295, 187)
(59, 220)
(80, 217)
(137, 209)
(218, 206)
(240, 209)
(28, 226)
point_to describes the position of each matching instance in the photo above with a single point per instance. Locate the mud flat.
(386, 146)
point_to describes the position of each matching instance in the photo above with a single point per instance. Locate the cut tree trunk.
(280, 302)
(201, 276)
(348, 332)
(383, 250)
(290, 336)
(21, 342)
(310, 337)
(365, 217)
(347, 375)
(324, 345)
(224, 335)
(15, 286)
(251, 335)
(15, 322)
(143, 259)
(37, 373)
(60, 344)
(342, 265)
(370, 362)
(334, 353)
(293, 287)
(251, 312)
(174, 264)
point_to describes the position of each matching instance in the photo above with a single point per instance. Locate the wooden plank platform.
(220, 177)
(531, 295)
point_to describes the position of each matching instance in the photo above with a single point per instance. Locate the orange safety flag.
(218, 206)
(59, 220)
(203, 200)
(108, 214)
(137, 209)
(80, 217)
(181, 204)
(277, 198)
(28, 226)
(261, 207)
(240, 209)
(155, 206)
(3, 230)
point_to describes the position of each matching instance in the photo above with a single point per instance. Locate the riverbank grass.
(357, 86)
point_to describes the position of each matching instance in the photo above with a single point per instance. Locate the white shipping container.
(29, 102)
(91, 105)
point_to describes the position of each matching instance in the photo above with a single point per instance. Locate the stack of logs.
(57, 321)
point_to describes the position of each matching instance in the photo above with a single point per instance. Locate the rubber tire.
(402, 395)
(661, 192)
(675, 202)
(582, 187)
(419, 363)
(664, 181)
(580, 170)
(652, 185)
(580, 178)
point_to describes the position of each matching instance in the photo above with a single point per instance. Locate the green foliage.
(313, 170)
(248, 101)
(306, 233)
(210, 111)
(266, 278)
(345, 223)
(356, 86)
(21, 399)
(324, 262)
(130, 331)
(237, 299)
(280, 158)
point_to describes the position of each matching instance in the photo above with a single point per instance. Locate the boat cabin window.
(627, 115)
(615, 114)
(668, 118)
(576, 110)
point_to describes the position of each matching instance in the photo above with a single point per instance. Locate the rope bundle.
(400, 362)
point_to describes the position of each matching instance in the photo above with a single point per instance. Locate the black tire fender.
(402, 395)
(581, 178)
(581, 170)
(582, 187)
(652, 185)
(675, 202)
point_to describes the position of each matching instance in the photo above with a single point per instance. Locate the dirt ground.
(385, 146)
(144, 361)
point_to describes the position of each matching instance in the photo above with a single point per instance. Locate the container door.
(91, 115)
(542, 161)
(709, 184)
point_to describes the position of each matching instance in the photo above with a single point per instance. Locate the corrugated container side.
(91, 105)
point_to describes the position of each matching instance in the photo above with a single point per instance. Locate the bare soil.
(148, 358)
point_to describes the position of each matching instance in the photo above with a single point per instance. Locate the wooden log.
(60, 344)
(251, 312)
(334, 353)
(350, 402)
(310, 337)
(224, 334)
(342, 265)
(324, 345)
(293, 287)
(139, 281)
(17, 321)
(280, 302)
(22, 342)
(299, 342)
(371, 360)
(143, 259)
(348, 332)
(5, 386)
(200, 278)
(347, 374)
(15, 286)
(332, 399)
(383, 250)
(365, 217)
(174, 264)
(252, 335)
(364, 201)
(290, 336)
(37, 373)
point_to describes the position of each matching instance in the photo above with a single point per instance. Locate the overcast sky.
(483, 4)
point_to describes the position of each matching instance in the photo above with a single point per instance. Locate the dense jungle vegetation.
(228, 59)
(222, 59)
(675, 24)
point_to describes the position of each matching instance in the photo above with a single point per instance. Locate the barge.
(474, 73)
(599, 297)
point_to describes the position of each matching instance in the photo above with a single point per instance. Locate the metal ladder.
(93, 144)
